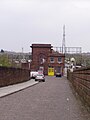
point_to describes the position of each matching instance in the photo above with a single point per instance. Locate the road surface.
(50, 100)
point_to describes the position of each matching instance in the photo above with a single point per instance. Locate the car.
(58, 75)
(40, 77)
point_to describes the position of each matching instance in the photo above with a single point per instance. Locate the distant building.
(45, 58)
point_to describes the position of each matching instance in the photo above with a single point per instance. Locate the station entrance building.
(46, 59)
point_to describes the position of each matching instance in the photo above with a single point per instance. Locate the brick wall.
(45, 51)
(39, 51)
(10, 76)
(81, 81)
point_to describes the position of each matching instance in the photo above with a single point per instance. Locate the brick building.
(44, 57)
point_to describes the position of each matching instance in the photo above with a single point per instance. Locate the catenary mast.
(63, 41)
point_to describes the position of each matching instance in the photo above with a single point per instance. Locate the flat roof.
(41, 45)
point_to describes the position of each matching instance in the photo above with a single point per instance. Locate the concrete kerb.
(8, 90)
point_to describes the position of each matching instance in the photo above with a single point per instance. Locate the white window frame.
(52, 61)
(60, 60)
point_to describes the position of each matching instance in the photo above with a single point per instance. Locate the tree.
(4, 61)
(2, 51)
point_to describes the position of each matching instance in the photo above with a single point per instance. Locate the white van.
(33, 74)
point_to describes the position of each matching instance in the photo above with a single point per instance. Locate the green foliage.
(4, 61)
(77, 57)
(86, 60)
(81, 59)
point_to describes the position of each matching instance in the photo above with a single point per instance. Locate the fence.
(10, 76)
(80, 79)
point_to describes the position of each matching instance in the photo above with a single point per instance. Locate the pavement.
(7, 90)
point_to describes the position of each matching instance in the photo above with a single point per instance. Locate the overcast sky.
(24, 22)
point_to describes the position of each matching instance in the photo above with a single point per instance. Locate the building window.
(59, 59)
(51, 59)
(42, 58)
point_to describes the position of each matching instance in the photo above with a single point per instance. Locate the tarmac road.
(50, 100)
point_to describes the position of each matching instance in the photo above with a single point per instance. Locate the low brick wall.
(80, 79)
(10, 76)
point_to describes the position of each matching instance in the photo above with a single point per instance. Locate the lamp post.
(29, 62)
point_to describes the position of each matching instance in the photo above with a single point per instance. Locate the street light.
(29, 61)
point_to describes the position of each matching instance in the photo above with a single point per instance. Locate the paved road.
(50, 100)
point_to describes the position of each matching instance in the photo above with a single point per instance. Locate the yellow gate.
(51, 71)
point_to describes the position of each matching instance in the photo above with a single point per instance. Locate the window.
(51, 59)
(59, 59)
(42, 58)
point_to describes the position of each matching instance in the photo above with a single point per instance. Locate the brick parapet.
(9, 76)
(80, 79)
